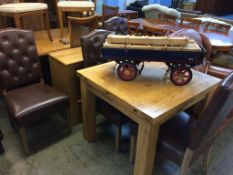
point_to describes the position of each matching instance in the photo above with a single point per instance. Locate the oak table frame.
(63, 66)
(149, 100)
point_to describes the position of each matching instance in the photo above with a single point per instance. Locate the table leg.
(88, 113)
(146, 148)
(60, 21)
(47, 25)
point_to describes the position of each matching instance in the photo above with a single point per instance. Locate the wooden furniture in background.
(108, 12)
(45, 46)
(217, 27)
(63, 65)
(80, 26)
(217, 7)
(148, 30)
(133, 28)
(219, 41)
(73, 6)
(190, 22)
(128, 97)
(19, 10)
(129, 14)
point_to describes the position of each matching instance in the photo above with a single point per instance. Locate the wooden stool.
(19, 10)
(73, 6)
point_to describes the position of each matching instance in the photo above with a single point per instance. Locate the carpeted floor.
(55, 153)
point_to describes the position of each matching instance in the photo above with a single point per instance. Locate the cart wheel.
(127, 71)
(181, 76)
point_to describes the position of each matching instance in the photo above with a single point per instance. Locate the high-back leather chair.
(27, 98)
(184, 138)
(91, 48)
(117, 24)
(1, 147)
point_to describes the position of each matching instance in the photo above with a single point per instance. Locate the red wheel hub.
(181, 76)
(127, 71)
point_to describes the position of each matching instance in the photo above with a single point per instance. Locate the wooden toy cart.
(179, 53)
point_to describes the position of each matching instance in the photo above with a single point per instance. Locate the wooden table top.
(149, 95)
(121, 13)
(219, 41)
(68, 56)
(45, 46)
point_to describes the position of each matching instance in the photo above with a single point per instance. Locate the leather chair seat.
(43, 98)
(22, 7)
(174, 136)
(110, 112)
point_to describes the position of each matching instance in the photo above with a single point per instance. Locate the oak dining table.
(149, 100)
(220, 41)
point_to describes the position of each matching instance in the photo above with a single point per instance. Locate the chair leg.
(133, 142)
(23, 136)
(186, 161)
(117, 138)
(68, 120)
(47, 25)
(205, 163)
(18, 23)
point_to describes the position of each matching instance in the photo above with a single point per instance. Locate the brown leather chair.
(79, 26)
(27, 98)
(91, 48)
(1, 147)
(117, 24)
(184, 138)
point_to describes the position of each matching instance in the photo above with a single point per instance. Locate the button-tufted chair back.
(117, 24)
(19, 63)
(91, 46)
(214, 113)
